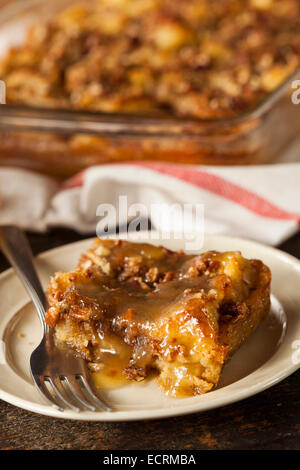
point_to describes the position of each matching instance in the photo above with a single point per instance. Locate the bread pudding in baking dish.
(133, 310)
(192, 82)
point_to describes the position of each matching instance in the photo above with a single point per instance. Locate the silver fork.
(62, 378)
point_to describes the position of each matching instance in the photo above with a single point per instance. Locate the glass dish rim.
(65, 121)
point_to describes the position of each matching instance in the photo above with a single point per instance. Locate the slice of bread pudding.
(134, 309)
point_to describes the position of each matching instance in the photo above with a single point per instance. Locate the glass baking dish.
(63, 142)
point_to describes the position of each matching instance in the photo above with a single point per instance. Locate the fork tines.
(70, 392)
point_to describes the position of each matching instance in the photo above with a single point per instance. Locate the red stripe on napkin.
(222, 187)
(74, 182)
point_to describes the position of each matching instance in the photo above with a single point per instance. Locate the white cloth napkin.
(257, 202)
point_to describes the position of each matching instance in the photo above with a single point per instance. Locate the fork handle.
(15, 247)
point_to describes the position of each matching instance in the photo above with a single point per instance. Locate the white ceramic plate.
(264, 360)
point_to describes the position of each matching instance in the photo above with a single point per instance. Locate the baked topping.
(189, 58)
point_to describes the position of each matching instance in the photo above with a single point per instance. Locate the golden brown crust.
(182, 315)
(197, 59)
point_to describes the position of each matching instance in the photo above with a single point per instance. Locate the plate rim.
(156, 413)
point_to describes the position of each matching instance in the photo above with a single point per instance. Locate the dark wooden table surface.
(269, 420)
